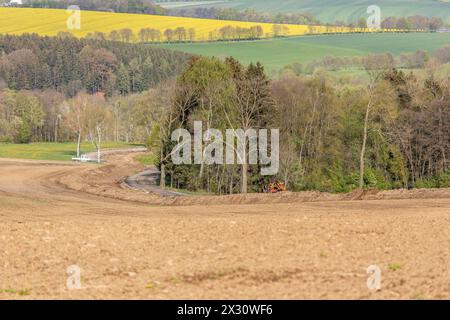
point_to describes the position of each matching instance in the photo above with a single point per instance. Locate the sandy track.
(133, 248)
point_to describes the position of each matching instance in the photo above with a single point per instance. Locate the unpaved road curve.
(132, 249)
(147, 180)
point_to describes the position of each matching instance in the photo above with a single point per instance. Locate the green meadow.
(277, 53)
(51, 151)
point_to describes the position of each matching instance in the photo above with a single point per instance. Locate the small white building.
(442, 30)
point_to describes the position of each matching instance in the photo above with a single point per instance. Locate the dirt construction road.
(130, 244)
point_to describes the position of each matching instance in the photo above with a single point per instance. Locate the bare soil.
(130, 244)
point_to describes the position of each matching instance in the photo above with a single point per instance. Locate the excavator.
(275, 187)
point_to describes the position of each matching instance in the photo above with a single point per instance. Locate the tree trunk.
(162, 178)
(99, 143)
(162, 182)
(244, 177)
(202, 168)
(56, 130)
(231, 185)
(363, 149)
(78, 144)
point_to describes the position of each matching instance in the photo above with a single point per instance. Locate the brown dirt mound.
(107, 181)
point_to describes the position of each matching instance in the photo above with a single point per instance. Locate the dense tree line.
(50, 116)
(225, 33)
(221, 95)
(391, 130)
(146, 35)
(70, 65)
(244, 15)
(413, 22)
(182, 34)
(414, 60)
(239, 33)
(67, 89)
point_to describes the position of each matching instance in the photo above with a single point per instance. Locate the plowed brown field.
(129, 244)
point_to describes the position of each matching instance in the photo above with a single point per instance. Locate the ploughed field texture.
(128, 249)
(52, 21)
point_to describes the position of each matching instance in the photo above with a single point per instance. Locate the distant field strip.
(184, 4)
(276, 53)
(52, 21)
(332, 10)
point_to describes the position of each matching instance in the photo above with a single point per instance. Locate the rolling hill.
(52, 21)
(276, 53)
(331, 10)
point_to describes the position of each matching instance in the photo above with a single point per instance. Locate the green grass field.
(50, 151)
(332, 10)
(147, 159)
(277, 53)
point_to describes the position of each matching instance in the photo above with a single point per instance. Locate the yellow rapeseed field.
(52, 21)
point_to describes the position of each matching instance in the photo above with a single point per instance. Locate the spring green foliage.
(22, 116)
(321, 125)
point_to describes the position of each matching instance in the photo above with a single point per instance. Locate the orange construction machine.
(275, 187)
